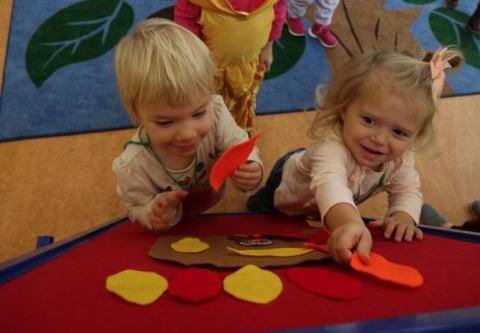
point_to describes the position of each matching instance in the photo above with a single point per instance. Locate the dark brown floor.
(62, 186)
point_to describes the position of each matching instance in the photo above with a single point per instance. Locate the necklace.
(377, 186)
(154, 154)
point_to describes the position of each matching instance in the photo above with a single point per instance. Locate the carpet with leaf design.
(59, 77)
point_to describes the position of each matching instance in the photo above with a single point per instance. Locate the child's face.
(176, 131)
(378, 130)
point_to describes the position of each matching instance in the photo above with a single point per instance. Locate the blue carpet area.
(66, 85)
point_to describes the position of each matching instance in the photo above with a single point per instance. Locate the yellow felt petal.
(190, 245)
(253, 284)
(136, 286)
(279, 252)
(315, 224)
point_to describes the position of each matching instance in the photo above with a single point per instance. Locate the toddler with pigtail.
(375, 113)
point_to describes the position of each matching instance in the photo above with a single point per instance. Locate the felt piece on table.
(279, 252)
(315, 224)
(318, 247)
(326, 282)
(137, 287)
(253, 284)
(195, 284)
(189, 245)
(320, 237)
(230, 160)
(388, 271)
(218, 255)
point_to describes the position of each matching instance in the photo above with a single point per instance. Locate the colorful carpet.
(59, 77)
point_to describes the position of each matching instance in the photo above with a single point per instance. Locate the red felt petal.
(230, 160)
(195, 284)
(325, 282)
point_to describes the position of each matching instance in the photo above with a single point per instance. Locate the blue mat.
(66, 85)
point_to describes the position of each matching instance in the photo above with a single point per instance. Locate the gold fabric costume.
(236, 39)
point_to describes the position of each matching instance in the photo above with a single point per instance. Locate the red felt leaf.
(326, 282)
(195, 284)
(230, 160)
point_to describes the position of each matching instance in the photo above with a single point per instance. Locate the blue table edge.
(457, 320)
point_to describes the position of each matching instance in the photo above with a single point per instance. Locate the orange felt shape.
(230, 160)
(388, 271)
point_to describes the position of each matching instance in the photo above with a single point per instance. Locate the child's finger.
(175, 196)
(249, 167)
(363, 251)
(376, 223)
(418, 233)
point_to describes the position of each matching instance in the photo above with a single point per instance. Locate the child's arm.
(186, 15)
(348, 233)
(228, 134)
(405, 203)
(266, 55)
(280, 9)
(141, 187)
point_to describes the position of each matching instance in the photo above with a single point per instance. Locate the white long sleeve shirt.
(327, 174)
(141, 179)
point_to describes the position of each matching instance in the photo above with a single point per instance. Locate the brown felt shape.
(218, 254)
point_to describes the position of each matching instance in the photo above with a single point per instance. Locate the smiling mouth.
(371, 151)
(186, 147)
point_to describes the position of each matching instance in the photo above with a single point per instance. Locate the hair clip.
(437, 68)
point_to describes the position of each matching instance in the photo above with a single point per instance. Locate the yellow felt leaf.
(279, 252)
(136, 286)
(253, 284)
(190, 245)
(315, 224)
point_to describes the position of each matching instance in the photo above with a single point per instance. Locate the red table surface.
(68, 293)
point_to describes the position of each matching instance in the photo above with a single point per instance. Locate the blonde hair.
(161, 60)
(379, 74)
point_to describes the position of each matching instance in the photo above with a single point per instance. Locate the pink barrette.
(437, 67)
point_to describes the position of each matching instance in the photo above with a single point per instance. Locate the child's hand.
(247, 176)
(400, 225)
(348, 238)
(266, 57)
(165, 208)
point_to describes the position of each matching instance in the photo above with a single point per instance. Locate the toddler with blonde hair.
(375, 113)
(165, 77)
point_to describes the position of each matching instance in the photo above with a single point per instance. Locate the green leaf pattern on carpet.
(448, 26)
(80, 32)
(286, 53)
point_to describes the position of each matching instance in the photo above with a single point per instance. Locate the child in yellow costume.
(240, 34)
